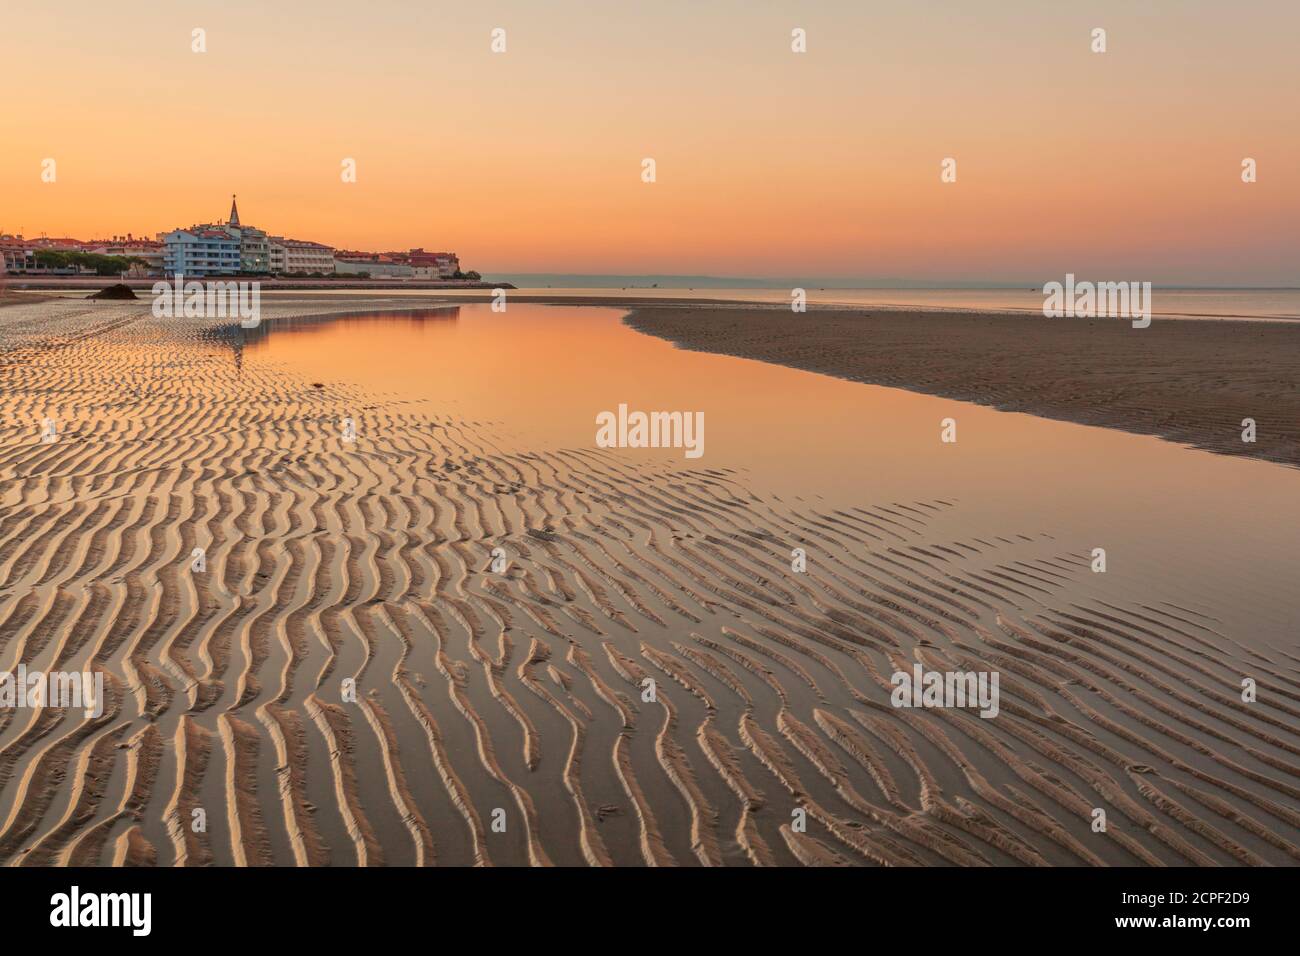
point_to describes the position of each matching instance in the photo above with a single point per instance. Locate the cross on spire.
(234, 211)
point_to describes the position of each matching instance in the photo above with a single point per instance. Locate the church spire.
(234, 212)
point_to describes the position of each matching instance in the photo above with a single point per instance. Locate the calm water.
(1272, 304)
(1203, 531)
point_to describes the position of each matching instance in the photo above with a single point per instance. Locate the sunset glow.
(768, 163)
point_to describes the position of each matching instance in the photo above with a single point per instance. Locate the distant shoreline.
(94, 283)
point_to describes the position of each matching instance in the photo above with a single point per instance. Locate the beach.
(455, 638)
(1188, 381)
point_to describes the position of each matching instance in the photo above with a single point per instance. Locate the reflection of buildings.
(236, 338)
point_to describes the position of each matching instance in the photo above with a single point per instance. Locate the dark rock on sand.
(118, 291)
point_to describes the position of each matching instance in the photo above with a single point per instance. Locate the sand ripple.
(486, 699)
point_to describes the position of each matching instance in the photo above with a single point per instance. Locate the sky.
(1117, 165)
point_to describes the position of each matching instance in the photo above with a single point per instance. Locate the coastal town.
(217, 249)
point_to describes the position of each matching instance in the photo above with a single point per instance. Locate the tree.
(95, 262)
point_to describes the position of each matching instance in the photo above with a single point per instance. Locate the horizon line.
(849, 282)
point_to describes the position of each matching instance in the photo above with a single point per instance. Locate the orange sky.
(773, 163)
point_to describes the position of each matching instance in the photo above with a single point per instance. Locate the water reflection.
(1209, 528)
(236, 337)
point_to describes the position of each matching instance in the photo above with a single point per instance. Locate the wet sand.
(1188, 381)
(502, 717)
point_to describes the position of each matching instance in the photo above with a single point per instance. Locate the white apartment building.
(254, 250)
(202, 250)
(152, 254)
(434, 265)
(298, 256)
(373, 268)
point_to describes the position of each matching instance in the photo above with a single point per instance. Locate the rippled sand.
(518, 697)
